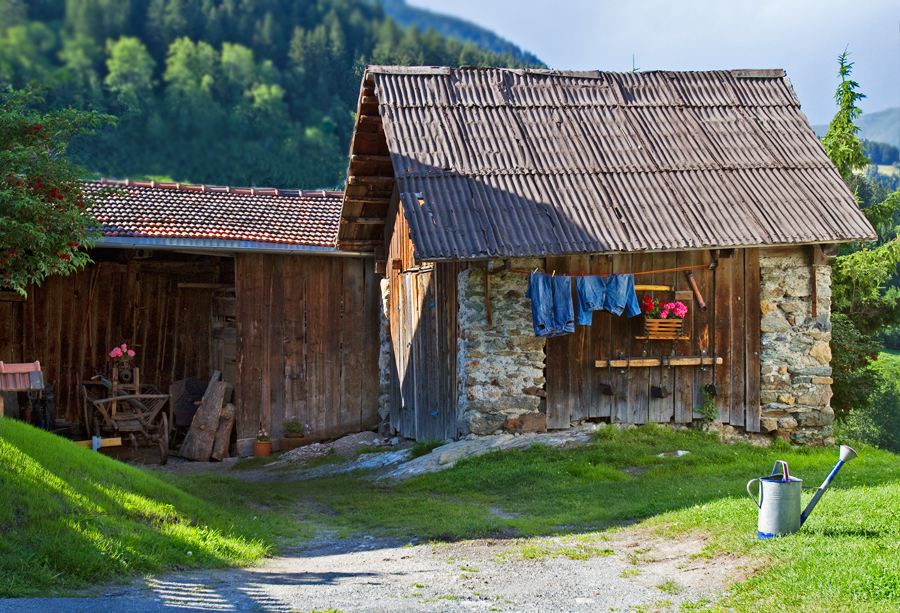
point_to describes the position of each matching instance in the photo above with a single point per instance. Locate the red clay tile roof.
(147, 209)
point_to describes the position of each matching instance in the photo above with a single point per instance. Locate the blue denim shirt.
(614, 293)
(551, 304)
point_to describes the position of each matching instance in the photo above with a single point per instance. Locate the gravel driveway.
(627, 570)
(624, 571)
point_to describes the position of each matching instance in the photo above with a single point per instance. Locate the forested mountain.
(881, 127)
(228, 92)
(406, 15)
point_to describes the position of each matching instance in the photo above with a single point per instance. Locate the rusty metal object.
(696, 290)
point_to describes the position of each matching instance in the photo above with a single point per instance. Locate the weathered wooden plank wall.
(424, 341)
(307, 344)
(729, 329)
(70, 323)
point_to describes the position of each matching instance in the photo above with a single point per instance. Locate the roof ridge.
(222, 189)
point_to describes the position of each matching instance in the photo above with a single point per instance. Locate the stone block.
(786, 399)
(767, 424)
(821, 380)
(821, 417)
(787, 423)
(768, 396)
(821, 353)
(771, 293)
(794, 306)
(811, 436)
(816, 396)
(483, 423)
(773, 323)
(767, 306)
(527, 422)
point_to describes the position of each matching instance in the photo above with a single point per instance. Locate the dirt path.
(628, 570)
(625, 571)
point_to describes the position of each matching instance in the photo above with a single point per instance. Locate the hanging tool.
(690, 277)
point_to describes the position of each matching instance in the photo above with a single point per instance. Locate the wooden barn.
(198, 278)
(471, 179)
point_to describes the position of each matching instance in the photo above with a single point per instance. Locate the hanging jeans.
(551, 304)
(614, 293)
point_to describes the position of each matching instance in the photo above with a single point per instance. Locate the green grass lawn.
(845, 558)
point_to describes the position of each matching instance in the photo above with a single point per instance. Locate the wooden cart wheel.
(162, 439)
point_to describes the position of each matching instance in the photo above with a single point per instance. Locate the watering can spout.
(847, 454)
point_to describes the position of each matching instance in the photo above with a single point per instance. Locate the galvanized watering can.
(779, 498)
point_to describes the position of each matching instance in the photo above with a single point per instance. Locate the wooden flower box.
(663, 329)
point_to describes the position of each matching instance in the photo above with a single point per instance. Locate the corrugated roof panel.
(761, 92)
(537, 163)
(734, 139)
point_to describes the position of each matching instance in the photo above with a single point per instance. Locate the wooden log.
(199, 441)
(223, 433)
(645, 362)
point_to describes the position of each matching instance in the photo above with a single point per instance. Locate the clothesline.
(641, 272)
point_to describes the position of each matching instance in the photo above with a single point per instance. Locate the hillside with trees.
(258, 92)
(407, 15)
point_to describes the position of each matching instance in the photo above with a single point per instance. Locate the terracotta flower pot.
(262, 449)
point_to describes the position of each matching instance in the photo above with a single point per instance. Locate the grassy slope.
(845, 558)
(70, 517)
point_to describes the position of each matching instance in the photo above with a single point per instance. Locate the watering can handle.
(751, 493)
(784, 470)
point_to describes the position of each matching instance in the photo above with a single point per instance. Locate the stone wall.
(501, 368)
(795, 361)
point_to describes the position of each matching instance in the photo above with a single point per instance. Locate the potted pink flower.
(663, 320)
(122, 356)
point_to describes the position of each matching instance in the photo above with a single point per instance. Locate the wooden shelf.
(645, 362)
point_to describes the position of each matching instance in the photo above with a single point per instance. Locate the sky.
(804, 37)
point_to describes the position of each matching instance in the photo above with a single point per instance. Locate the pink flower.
(124, 347)
(112, 353)
(664, 314)
(680, 310)
(130, 353)
(669, 306)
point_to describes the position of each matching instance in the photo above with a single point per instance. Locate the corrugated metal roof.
(260, 216)
(494, 162)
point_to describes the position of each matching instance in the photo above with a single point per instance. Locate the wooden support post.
(488, 311)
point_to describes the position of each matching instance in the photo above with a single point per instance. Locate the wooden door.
(423, 339)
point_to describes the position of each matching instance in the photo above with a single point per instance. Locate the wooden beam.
(378, 159)
(229, 286)
(369, 100)
(653, 288)
(369, 119)
(365, 220)
(359, 243)
(370, 180)
(11, 297)
(105, 442)
(647, 362)
(368, 200)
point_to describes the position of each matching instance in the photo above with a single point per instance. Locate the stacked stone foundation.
(796, 354)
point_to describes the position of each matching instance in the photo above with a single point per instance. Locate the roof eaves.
(214, 245)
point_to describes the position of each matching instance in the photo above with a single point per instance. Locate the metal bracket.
(702, 355)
